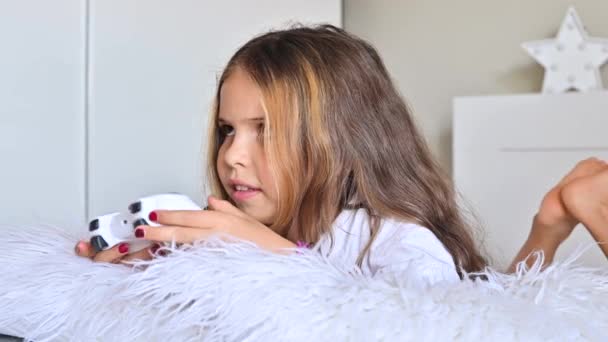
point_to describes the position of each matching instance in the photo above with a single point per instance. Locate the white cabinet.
(510, 150)
(103, 101)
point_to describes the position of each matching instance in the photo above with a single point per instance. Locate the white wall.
(104, 101)
(41, 112)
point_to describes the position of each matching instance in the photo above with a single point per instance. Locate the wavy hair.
(338, 133)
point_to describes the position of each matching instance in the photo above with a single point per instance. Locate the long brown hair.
(337, 131)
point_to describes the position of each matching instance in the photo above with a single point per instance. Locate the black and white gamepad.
(141, 209)
(109, 230)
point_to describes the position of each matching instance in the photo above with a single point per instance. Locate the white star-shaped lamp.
(571, 60)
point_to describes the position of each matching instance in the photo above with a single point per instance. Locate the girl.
(311, 144)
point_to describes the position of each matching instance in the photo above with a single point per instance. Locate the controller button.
(98, 243)
(140, 222)
(134, 208)
(94, 225)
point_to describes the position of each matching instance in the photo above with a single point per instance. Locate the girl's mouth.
(242, 193)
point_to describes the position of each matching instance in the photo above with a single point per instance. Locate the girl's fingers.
(144, 254)
(84, 249)
(221, 212)
(113, 254)
(175, 233)
(190, 218)
(225, 207)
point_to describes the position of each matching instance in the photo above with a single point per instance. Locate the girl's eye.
(261, 130)
(225, 130)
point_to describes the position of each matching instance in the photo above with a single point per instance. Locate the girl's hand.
(224, 220)
(116, 254)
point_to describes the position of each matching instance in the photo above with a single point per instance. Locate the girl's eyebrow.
(256, 119)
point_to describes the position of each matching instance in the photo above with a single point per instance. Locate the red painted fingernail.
(154, 248)
(162, 253)
(152, 216)
(139, 233)
(123, 248)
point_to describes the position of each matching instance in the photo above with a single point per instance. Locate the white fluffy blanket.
(216, 291)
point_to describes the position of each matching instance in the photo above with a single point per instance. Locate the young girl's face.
(241, 163)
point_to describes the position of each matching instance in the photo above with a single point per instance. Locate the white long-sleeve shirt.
(400, 249)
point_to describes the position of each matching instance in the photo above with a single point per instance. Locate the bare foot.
(586, 199)
(553, 213)
(562, 208)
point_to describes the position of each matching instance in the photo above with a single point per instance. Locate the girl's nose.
(237, 152)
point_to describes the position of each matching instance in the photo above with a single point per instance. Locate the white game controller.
(109, 230)
(141, 209)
